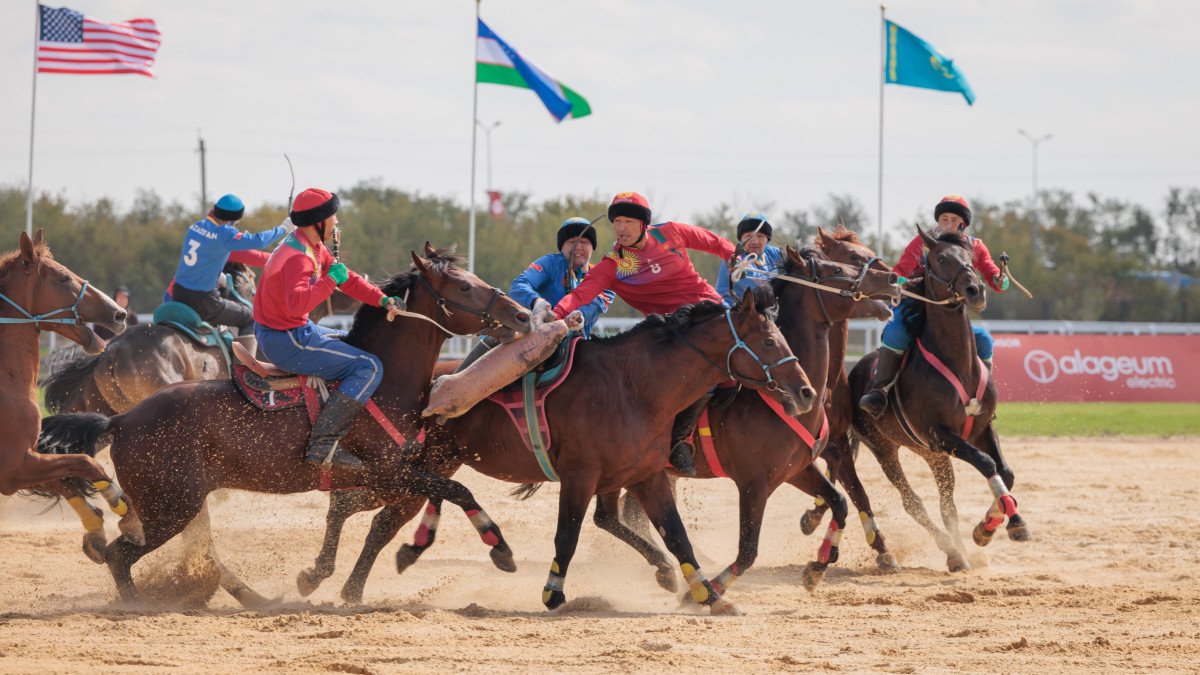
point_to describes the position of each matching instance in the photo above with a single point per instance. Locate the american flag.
(73, 43)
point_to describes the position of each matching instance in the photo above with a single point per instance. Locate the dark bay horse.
(37, 293)
(610, 422)
(933, 419)
(191, 438)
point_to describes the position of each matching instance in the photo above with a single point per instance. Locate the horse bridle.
(957, 300)
(769, 383)
(485, 314)
(853, 292)
(41, 318)
(249, 302)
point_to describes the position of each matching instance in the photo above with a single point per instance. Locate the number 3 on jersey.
(190, 257)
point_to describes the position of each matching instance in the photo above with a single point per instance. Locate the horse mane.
(790, 268)
(9, 259)
(686, 316)
(955, 237)
(68, 379)
(367, 318)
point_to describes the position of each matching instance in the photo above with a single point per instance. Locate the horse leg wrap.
(870, 527)
(427, 530)
(112, 494)
(554, 583)
(91, 518)
(702, 590)
(828, 551)
(1004, 506)
(484, 526)
(726, 578)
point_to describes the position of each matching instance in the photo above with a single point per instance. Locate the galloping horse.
(191, 438)
(749, 441)
(942, 404)
(637, 381)
(40, 294)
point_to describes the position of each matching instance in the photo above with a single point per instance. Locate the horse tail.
(525, 491)
(74, 434)
(68, 379)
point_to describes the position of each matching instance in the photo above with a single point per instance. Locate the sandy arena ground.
(1112, 581)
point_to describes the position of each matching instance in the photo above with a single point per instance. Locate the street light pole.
(1035, 142)
(487, 141)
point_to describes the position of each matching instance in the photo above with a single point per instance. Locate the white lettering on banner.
(1008, 342)
(1042, 367)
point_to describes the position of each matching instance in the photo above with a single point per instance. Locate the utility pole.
(1034, 210)
(203, 178)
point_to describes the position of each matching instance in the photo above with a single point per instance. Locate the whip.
(1004, 269)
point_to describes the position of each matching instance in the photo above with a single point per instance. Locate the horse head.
(844, 246)
(759, 355)
(949, 271)
(43, 288)
(849, 285)
(466, 304)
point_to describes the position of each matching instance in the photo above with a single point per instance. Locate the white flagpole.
(37, 34)
(474, 126)
(882, 79)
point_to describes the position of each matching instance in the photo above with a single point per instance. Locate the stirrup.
(341, 459)
(874, 402)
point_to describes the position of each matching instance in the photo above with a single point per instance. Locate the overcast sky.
(757, 104)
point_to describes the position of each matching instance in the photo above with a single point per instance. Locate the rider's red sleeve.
(598, 280)
(986, 266)
(361, 289)
(910, 260)
(700, 239)
(253, 258)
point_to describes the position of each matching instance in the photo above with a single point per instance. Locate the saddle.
(525, 401)
(185, 320)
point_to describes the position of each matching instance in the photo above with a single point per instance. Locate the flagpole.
(474, 125)
(882, 79)
(37, 34)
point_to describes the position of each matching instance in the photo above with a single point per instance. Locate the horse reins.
(769, 383)
(485, 313)
(41, 318)
(813, 281)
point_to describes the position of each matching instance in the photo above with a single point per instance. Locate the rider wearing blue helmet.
(754, 237)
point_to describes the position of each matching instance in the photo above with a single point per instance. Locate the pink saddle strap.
(957, 383)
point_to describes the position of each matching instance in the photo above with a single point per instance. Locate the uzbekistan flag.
(497, 63)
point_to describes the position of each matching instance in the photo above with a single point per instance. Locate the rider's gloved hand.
(900, 281)
(288, 225)
(1001, 280)
(339, 273)
(392, 303)
(541, 312)
(574, 320)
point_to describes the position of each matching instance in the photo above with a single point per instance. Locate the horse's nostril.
(972, 290)
(808, 393)
(121, 315)
(893, 278)
(523, 317)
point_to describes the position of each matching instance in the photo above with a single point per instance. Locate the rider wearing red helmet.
(648, 267)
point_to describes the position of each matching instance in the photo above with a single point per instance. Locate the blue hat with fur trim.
(229, 207)
(749, 223)
(574, 227)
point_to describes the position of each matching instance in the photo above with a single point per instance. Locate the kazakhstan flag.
(913, 62)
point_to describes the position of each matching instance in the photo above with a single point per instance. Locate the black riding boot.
(482, 347)
(331, 426)
(685, 423)
(875, 401)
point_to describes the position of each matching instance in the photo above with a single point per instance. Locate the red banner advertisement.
(1098, 367)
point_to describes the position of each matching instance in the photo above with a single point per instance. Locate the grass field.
(1098, 419)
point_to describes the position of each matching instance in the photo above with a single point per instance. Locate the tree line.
(1096, 259)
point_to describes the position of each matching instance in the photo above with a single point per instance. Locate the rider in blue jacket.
(551, 277)
(754, 235)
(206, 247)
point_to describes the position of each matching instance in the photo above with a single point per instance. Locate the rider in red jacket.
(648, 267)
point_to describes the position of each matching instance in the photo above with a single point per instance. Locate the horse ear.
(26, 247)
(794, 255)
(824, 239)
(930, 242)
(747, 305)
(430, 251)
(419, 262)
(37, 238)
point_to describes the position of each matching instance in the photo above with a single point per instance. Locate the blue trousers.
(897, 335)
(316, 350)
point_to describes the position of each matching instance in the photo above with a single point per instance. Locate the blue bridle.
(41, 318)
(769, 383)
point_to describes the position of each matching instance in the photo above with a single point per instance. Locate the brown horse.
(191, 438)
(640, 380)
(926, 412)
(37, 294)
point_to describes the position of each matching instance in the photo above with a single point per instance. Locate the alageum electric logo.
(1142, 372)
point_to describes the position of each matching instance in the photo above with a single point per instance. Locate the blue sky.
(762, 105)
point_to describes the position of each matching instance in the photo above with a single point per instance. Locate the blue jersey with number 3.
(207, 246)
